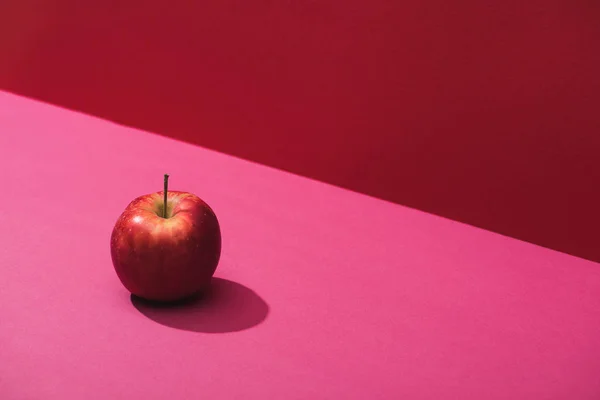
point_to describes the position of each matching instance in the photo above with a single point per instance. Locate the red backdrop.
(482, 111)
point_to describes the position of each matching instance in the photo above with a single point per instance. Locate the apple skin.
(166, 259)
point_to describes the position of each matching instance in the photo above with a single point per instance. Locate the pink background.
(482, 111)
(322, 293)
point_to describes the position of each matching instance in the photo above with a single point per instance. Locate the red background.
(485, 112)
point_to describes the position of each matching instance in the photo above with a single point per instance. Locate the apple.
(166, 245)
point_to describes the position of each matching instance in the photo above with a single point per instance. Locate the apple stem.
(165, 193)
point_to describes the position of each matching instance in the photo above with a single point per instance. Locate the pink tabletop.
(321, 293)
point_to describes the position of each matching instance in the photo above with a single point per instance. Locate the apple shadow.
(226, 306)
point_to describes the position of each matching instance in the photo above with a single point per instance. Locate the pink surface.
(322, 293)
(482, 111)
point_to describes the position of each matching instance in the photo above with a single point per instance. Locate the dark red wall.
(483, 111)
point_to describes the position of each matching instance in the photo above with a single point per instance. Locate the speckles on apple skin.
(160, 258)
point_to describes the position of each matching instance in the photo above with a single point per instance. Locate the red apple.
(166, 257)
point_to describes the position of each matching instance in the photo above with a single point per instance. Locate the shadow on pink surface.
(227, 307)
(479, 111)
